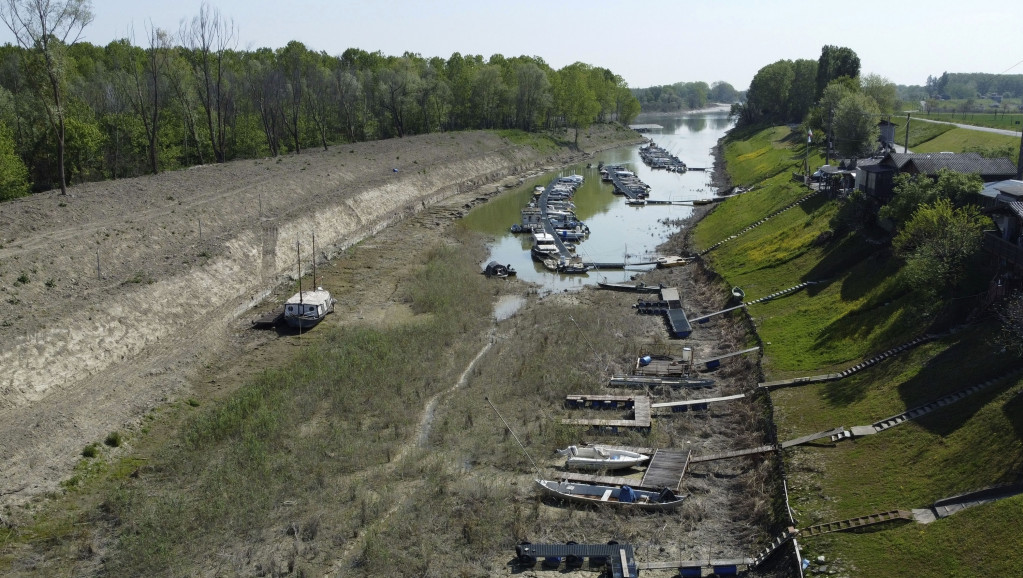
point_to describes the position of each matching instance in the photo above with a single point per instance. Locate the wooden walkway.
(712, 567)
(859, 522)
(773, 547)
(606, 480)
(733, 454)
(667, 469)
(811, 437)
(620, 558)
(695, 404)
(640, 406)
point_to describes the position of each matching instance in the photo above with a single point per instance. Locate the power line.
(1013, 66)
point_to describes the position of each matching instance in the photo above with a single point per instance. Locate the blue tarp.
(626, 495)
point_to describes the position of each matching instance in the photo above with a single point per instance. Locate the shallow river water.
(618, 233)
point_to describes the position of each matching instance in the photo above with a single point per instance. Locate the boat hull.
(595, 494)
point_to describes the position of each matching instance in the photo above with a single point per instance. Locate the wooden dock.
(716, 361)
(639, 404)
(667, 469)
(710, 567)
(619, 558)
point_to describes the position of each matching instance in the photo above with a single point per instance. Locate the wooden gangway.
(814, 436)
(548, 227)
(631, 187)
(695, 404)
(733, 454)
(667, 469)
(606, 480)
(716, 361)
(858, 522)
(639, 404)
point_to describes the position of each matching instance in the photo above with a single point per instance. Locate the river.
(618, 232)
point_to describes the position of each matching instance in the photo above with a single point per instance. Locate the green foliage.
(914, 191)
(938, 242)
(114, 439)
(836, 62)
(90, 451)
(129, 110)
(13, 172)
(855, 126)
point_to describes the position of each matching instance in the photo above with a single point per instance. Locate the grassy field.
(860, 308)
(962, 139)
(1011, 121)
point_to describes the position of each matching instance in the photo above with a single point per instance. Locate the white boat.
(307, 308)
(672, 261)
(544, 246)
(600, 458)
(624, 497)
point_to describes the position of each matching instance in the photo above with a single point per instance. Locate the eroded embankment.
(134, 286)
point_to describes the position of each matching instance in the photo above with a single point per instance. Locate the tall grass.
(279, 455)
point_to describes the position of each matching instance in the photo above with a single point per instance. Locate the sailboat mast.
(315, 286)
(298, 251)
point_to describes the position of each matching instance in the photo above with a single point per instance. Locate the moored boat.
(672, 261)
(625, 497)
(600, 458)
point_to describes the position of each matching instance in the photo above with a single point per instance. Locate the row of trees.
(828, 96)
(71, 111)
(684, 96)
(960, 85)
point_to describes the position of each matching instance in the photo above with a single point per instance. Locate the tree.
(855, 125)
(13, 172)
(802, 90)
(532, 95)
(768, 94)
(836, 62)
(207, 39)
(938, 242)
(913, 191)
(882, 90)
(45, 28)
(721, 91)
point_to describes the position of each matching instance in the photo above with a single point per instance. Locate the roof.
(1010, 187)
(931, 163)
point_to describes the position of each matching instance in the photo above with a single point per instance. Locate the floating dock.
(639, 404)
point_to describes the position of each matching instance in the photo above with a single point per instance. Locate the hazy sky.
(647, 43)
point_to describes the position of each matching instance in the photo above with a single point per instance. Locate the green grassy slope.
(860, 309)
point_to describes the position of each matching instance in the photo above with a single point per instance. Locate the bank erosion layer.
(114, 294)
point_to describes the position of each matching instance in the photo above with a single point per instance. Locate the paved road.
(971, 127)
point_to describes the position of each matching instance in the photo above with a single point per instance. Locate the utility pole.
(827, 146)
(906, 148)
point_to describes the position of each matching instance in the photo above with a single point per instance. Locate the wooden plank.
(666, 469)
(607, 494)
(706, 564)
(600, 397)
(625, 562)
(812, 437)
(606, 480)
(734, 454)
(697, 401)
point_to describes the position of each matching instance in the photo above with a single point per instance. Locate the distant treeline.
(975, 84)
(684, 96)
(125, 110)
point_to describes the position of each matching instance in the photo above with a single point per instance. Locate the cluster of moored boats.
(657, 157)
(550, 218)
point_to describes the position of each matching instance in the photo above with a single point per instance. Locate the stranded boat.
(307, 308)
(624, 497)
(600, 458)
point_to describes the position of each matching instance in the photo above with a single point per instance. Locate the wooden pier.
(639, 405)
(695, 568)
(812, 437)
